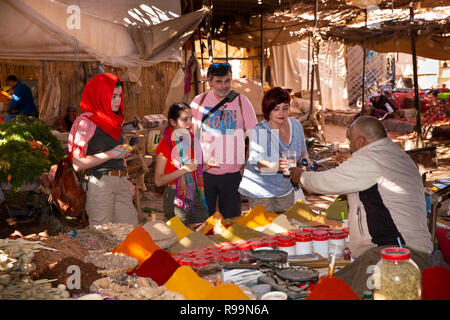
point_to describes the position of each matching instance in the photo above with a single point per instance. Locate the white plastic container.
(336, 242)
(320, 242)
(287, 244)
(303, 243)
(274, 295)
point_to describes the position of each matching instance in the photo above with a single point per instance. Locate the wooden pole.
(416, 82)
(363, 93)
(196, 91)
(262, 54)
(314, 62)
(307, 73)
(209, 30)
(226, 40)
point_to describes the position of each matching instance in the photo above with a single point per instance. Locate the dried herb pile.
(27, 148)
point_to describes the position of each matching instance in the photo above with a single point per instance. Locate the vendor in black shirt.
(382, 106)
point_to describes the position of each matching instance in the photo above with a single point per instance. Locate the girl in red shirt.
(179, 165)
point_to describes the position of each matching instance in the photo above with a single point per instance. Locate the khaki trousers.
(109, 200)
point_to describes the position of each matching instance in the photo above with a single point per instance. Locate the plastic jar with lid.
(396, 276)
(271, 243)
(320, 243)
(244, 252)
(309, 229)
(199, 262)
(336, 242)
(230, 258)
(212, 273)
(216, 258)
(258, 245)
(303, 243)
(287, 244)
(187, 262)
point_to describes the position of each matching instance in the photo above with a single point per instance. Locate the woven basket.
(108, 273)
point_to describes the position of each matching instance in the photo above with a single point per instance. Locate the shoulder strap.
(203, 98)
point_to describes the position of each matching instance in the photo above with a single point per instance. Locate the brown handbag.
(67, 194)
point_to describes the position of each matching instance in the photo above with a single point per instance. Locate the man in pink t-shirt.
(222, 136)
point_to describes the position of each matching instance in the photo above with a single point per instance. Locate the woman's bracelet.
(121, 152)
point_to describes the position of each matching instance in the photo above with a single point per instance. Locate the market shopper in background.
(96, 145)
(386, 200)
(262, 182)
(222, 136)
(382, 106)
(21, 100)
(65, 122)
(179, 166)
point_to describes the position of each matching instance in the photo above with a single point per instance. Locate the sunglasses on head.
(220, 64)
(219, 68)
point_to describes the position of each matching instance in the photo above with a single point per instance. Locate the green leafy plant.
(19, 163)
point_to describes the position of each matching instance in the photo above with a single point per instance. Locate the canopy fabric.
(426, 46)
(291, 71)
(119, 33)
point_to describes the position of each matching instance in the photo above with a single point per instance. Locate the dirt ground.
(152, 200)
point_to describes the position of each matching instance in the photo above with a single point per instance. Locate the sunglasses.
(219, 68)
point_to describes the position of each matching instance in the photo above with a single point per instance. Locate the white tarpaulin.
(120, 33)
(290, 70)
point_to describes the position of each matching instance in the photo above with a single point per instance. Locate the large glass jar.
(396, 276)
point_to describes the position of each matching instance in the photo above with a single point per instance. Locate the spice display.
(178, 226)
(238, 232)
(87, 271)
(436, 283)
(93, 240)
(192, 241)
(396, 276)
(188, 283)
(111, 261)
(256, 217)
(24, 288)
(66, 247)
(17, 255)
(212, 273)
(138, 244)
(159, 267)
(215, 224)
(163, 235)
(126, 287)
(22, 161)
(332, 288)
(227, 291)
(117, 231)
(279, 224)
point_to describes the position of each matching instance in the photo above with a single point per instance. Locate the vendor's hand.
(283, 164)
(296, 173)
(189, 167)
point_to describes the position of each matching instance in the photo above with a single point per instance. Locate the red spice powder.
(436, 283)
(332, 289)
(160, 267)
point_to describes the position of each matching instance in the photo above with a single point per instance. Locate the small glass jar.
(258, 245)
(212, 273)
(396, 276)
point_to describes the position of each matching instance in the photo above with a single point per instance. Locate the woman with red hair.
(263, 183)
(96, 145)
